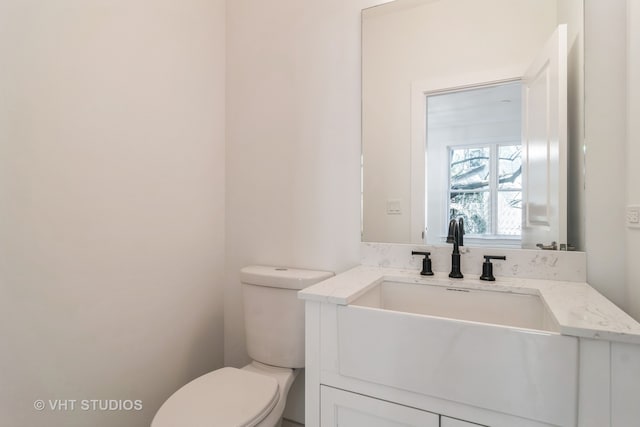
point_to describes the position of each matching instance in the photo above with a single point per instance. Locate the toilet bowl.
(256, 395)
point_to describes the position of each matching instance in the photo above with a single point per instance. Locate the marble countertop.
(578, 309)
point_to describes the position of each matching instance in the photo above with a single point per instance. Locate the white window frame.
(492, 237)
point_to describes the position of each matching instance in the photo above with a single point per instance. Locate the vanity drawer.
(345, 409)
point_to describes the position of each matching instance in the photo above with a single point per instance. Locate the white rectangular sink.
(495, 350)
(493, 307)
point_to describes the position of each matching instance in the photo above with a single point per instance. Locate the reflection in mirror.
(442, 100)
(473, 145)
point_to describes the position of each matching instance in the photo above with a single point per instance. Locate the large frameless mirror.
(473, 109)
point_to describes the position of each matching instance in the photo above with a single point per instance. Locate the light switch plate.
(633, 216)
(394, 207)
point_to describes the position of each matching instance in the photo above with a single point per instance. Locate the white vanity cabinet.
(376, 354)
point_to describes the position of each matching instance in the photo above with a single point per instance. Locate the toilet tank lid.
(282, 277)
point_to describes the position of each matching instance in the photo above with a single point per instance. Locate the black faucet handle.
(426, 263)
(487, 267)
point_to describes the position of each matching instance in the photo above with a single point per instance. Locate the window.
(485, 189)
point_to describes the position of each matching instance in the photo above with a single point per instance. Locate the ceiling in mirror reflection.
(484, 105)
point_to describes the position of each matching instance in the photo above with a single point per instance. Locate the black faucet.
(456, 231)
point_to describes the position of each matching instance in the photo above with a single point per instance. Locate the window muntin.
(485, 188)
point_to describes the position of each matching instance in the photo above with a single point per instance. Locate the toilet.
(256, 394)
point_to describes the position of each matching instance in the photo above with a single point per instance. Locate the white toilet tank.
(273, 314)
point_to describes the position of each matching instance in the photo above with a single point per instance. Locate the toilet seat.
(225, 397)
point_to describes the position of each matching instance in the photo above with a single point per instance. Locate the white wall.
(111, 203)
(293, 141)
(606, 155)
(633, 152)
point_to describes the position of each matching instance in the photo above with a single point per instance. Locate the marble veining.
(520, 263)
(578, 309)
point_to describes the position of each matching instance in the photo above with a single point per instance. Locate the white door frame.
(420, 89)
